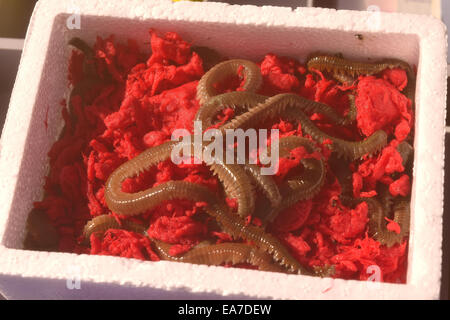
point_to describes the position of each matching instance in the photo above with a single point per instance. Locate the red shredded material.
(183, 230)
(401, 186)
(380, 105)
(393, 226)
(396, 77)
(149, 97)
(279, 74)
(123, 243)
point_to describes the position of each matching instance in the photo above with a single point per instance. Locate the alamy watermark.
(374, 20)
(222, 149)
(375, 277)
(73, 281)
(74, 20)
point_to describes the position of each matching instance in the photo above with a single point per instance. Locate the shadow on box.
(67, 289)
(445, 282)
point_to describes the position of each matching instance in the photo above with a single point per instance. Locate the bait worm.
(90, 77)
(378, 224)
(306, 186)
(243, 100)
(344, 176)
(341, 67)
(351, 150)
(218, 254)
(352, 111)
(210, 57)
(294, 107)
(102, 223)
(135, 203)
(276, 105)
(232, 176)
(378, 210)
(79, 90)
(343, 78)
(41, 234)
(82, 46)
(238, 229)
(202, 254)
(232, 224)
(406, 152)
(89, 54)
(236, 185)
(223, 70)
(264, 183)
(303, 187)
(212, 104)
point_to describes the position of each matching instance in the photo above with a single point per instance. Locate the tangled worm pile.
(240, 181)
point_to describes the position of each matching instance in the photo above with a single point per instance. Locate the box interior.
(233, 40)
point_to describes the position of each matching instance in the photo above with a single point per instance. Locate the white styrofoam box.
(236, 31)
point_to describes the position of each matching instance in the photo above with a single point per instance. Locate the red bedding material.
(147, 97)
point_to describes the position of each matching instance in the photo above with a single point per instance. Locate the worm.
(351, 150)
(210, 57)
(90, 77)
(79, 90)
(377, 222)
(340, 65)
(102, 223)
(232, 176)
(135, 203)
(139, 202)
(289, 143)
(343, 174)
(276, 105)
(211, 103)
(236, 100)
(201, 254)
(218, 254)
(406, 152)
(223, 70)
(304, 187)
(82, 46)
(41, 234)
(352, 111)
(343, 78)
(232, 224)
(264, 183)
(236, 185)
(238, 229)
(88, 68)
(378, 209)
(344, 67)
(294, 107)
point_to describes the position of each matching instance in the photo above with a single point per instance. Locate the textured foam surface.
(243, 31)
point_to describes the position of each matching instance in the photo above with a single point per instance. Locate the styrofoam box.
(235, 31)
